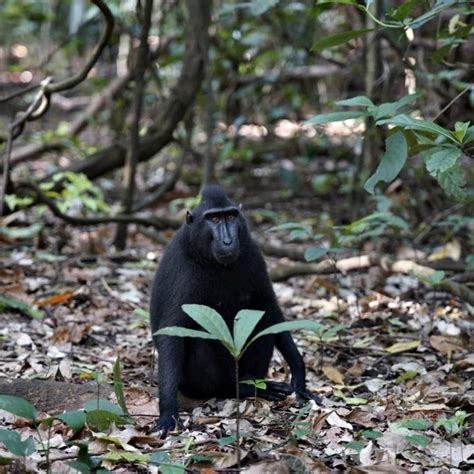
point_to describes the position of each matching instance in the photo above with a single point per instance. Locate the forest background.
(344, 128)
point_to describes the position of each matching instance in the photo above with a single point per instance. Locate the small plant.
(77, 191)
(257, 384)
(236, 342)
(454, 425)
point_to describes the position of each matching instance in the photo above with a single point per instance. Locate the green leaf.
(392, 161)
(415, 424)
(288, 326)
(418, 439)
(100, 420)
(74, 419)
(388, 109)
(118, 387)
(452, 181)
(8, 302)
(360, 100)
(244, 324)
(20, 233)
(404, 121)
(183, 332)
(460, 130)
(372, 434)
(13, 442)
(335, 117)
(440, 161)
(210, 320)
(355, 445)
(104, 405)
(79, 466)
(339, 38)
(313, 253)
(18, 406)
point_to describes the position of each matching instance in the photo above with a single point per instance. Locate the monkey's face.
(223, 226)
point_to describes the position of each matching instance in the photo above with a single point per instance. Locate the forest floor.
(394, 365)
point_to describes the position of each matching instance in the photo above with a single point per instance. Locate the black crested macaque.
(212, 260)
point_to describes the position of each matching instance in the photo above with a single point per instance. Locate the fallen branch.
(159, 223)
(293, 253)
(456, 289)
(325, 267)
(425, 271)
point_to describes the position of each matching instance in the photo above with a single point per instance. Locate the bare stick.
(133, 146)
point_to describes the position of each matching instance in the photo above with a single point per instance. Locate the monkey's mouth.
(226, 259)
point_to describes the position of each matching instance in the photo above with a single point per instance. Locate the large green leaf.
(13, 442)
(339, 38)
(392, 161)
(74, 419)
(443, 159)
(210, 320)
(360, 100)
(287, 326)
(453, 182)
(336, 117)
(183, 332)
(389, 109)
(244, 324)
(100, 420)
(18, 406)
(410, 123)
(104, 405)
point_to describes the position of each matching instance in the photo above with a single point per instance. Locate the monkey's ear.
(240, 207)
(189, 217)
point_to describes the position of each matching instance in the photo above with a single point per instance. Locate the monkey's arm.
(170, 368)
(286, 346)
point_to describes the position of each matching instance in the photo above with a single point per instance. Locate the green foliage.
(454, 425)
(409, 428)
(299, 428)
(13, 442)
(118, 389)
(372, 434)
(13, 304)
(257, 383)
(18, 406)
(391, 163)
(15, 202)
(440, 148)
(339, 38)
(74, 419)
(77, 191)
(244, 324)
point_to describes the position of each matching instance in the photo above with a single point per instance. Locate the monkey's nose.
(227, 242)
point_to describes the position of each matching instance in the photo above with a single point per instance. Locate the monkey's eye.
(215, 219)
(230, 217)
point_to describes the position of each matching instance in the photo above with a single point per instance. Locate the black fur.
(189, 273)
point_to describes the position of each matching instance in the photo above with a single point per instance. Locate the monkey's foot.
(165, 424)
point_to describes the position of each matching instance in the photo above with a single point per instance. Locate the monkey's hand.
(304, 395)
(166, 423)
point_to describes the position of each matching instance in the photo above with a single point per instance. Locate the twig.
(19, 93)
(14, 130)
(443, 110)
